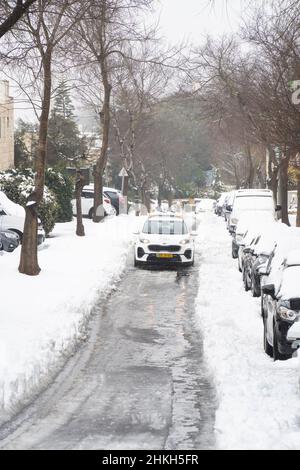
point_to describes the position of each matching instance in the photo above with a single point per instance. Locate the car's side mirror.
(2, 212)
(278, 208)
(269, 289)
(247, 250)
(229, 208)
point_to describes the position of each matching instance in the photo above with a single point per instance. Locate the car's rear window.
(165, 227)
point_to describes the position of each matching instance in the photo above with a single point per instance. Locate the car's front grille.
(169, 248)
(295, 304)
(154, 259)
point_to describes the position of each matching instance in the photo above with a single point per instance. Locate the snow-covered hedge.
(19, 184)
(63, 187)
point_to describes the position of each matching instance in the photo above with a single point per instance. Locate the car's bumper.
(9, 247)
(184, 257)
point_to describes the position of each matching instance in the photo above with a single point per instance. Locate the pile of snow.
(43, 317)
(259, 400)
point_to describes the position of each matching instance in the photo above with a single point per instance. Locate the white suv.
(164, 239)
(246, 201)
(12, 217)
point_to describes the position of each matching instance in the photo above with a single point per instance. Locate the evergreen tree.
(25, 142)
(64, 140)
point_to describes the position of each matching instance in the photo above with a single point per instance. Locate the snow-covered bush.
(19, 184)
(62, 186)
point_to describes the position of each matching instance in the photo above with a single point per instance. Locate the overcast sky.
(184, 20)
(194, 19)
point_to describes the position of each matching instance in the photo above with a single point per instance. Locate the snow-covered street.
(173, 359)
(139, 382)
(258, 399)
(42, 318)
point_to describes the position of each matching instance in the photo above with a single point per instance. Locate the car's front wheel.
(267, 347)
(277, 355)
(254, 290)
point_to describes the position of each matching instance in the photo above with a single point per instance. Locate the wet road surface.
(140, 381)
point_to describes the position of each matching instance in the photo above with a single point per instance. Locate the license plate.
(164, 255)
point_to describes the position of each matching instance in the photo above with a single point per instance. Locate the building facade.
(6, 127)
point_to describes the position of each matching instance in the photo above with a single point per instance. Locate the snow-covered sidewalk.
(259, 400)
(41, 318)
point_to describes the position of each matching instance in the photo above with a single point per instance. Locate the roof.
(166, 216)
(254, 192)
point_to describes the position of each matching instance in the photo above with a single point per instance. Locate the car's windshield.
(165, 227)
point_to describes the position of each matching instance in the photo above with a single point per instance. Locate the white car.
(252, 200)
(87, 204)
(164, 240)
(12, 217)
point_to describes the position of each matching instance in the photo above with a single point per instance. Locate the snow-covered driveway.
(259, 400)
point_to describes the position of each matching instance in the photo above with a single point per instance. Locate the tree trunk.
(272, 172)
(98, 214)
(29, 259)
(250, 177)
(78, 191)
(298, 203)
(283, 184)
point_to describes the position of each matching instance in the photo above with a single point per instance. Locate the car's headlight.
(287, 314)
(262, 259)
(184, 242)
(233, 221)
(144, 240)
(11, 236)
(239, 238)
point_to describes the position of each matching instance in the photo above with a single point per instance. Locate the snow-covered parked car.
(220, 204)
(164, 239)
(87, 203)
(12, 218)
(253, 221)
(262, 252)
(252, 200)
(281, 306)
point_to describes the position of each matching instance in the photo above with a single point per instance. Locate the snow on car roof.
(10, 207)
(290, 283)
(293, 258)
(165, 216)
(254, 192)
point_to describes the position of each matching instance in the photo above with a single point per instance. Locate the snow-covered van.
(252, 200)
(12, 217)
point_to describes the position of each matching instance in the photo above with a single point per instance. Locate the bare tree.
(107, 28)
(11, 13)
(42, 30)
